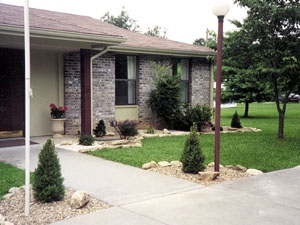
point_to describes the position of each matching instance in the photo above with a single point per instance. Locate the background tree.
(122, 20)
(242, 85)
(210, 40)
(157, 31)
(273, 29)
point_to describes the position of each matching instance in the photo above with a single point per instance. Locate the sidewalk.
(144, 197)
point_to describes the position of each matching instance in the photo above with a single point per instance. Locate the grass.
(11, 176)
(260, 150)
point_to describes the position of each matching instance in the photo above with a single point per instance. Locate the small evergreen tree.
(235, 122)
(100, 129)
(48, 181)
(192, 158)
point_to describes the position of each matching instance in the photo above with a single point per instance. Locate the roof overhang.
(167, 52)
(12, 36)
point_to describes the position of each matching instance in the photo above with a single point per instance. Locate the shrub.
(164, 99)
(235, 122)
(86, 140)
(192, 157)
(189, 115)
(126, 128)
(100, 129)
(48, 181)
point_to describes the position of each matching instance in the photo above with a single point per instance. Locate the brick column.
(85, 61)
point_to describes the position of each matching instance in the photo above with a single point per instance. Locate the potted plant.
(58, 117)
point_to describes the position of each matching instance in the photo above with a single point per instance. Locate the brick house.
(98, 70)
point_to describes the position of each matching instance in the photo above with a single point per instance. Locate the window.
(125, 80)
(181, 67)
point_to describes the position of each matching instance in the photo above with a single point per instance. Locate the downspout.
(106, 49)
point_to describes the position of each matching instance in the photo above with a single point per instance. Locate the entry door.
(12, 93)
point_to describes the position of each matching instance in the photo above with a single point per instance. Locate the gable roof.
(70, 27)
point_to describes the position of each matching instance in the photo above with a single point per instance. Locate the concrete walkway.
(148, 198)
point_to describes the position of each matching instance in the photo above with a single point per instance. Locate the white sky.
(184, 21)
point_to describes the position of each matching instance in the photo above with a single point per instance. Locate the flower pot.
(58, 128)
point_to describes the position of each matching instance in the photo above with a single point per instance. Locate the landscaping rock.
(208, 175)
(176, 163)
(164, 164)
(146, 166)
(153, 164)
(166, 131)
(120, 142)
(67, 142)
(79, 199)
(110, 134)
(254, 172)
(237, 168)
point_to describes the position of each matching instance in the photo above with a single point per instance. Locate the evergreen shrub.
(86, 140)
(192, 157)
(100, 129)
(48, 181)
(235, 122)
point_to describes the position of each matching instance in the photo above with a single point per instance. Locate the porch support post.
(85, 59)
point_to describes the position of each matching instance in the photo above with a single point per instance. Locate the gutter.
(63, 35)
(104, 50)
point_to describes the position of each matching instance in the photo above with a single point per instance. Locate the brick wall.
(72, 83)
(103, 99)
(104, 89)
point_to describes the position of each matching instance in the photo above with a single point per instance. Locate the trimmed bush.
(188, 115)
(127, 128)
(48, 181)
(100, 129)
(86, 140)
(192, 157)
(235, 122)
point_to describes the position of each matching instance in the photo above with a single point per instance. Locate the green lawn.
(260, 150)
(11, 176)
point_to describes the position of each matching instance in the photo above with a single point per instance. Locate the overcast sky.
(184, 21)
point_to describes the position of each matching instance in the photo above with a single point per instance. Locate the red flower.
(65, 108)
(60, 108)
(52, 105)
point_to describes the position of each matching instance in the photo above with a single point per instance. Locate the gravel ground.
(226, 174)
(12, 209)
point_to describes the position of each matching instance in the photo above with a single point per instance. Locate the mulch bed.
(13, 142)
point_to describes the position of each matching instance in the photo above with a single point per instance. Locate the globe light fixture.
(220, 9)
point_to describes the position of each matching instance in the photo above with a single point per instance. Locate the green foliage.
(86, 140)
(48, 181)
(235, 122)
(192, 157)
(156, 32)
(164, 99)
(122, 20)
(188, 115)
(100, 129)
(210, 40)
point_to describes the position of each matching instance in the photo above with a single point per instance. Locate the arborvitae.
(192, 158)
(235, 122)
(48, 181)
(100, 131)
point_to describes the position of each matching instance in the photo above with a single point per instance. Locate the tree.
(242, 85)
(157, 32)
(210, 40)
(164, 99)
(48, 181)
(122, 20)
(272, 26)
(192, 157)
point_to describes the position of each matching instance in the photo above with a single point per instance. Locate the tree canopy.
(157, 31)
(122, 20)
(273, 29)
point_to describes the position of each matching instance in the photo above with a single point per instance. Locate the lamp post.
(220, 9)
